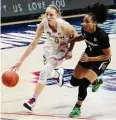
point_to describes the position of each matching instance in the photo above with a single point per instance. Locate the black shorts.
(97, 67)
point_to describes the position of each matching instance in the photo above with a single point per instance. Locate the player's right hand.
(16, 66)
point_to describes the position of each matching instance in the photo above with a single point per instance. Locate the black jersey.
(96, 42)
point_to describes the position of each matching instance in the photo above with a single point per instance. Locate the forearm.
(99, 58)
(77, 39)
(71, 46)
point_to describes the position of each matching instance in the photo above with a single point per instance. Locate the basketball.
(10, 78)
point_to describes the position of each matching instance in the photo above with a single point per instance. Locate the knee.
(54, 62)
(43, 77)
(45, 73)
(74, 81)
(83, 89)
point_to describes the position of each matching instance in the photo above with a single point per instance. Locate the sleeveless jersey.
(51, 46)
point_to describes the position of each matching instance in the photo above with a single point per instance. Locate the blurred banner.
(11, 8)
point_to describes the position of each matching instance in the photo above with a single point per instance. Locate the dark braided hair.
(98, 12)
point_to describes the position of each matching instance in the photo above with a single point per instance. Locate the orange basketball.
(10, 78)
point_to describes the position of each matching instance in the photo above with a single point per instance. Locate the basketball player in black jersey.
(96, 56)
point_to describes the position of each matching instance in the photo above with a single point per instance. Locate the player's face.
(88, 24)
(51, 15)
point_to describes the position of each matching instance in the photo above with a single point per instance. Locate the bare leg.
(38, 89)
(45, 73)
(79, 102)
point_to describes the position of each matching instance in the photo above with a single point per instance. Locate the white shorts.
(50, 52)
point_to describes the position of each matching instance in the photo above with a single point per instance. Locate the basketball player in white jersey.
(57, 31)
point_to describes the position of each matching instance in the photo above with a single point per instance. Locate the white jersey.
(52, 43)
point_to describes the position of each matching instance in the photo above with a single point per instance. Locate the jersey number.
(56, 40)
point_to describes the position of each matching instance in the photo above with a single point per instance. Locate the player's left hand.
(84, 58)
(63, 43)
(68, 55)
(63, 46)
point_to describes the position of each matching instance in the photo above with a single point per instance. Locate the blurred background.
(19, 20)
(20, 10)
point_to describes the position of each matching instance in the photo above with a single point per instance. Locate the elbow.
(110, 56)
(107, 57)
(107, 54)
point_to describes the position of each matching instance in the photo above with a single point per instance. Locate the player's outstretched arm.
(30, 48)
(77, 38)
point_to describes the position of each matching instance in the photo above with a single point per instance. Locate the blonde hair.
(42, 16)
(55, 8)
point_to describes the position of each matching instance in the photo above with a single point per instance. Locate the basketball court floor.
(55, 103)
